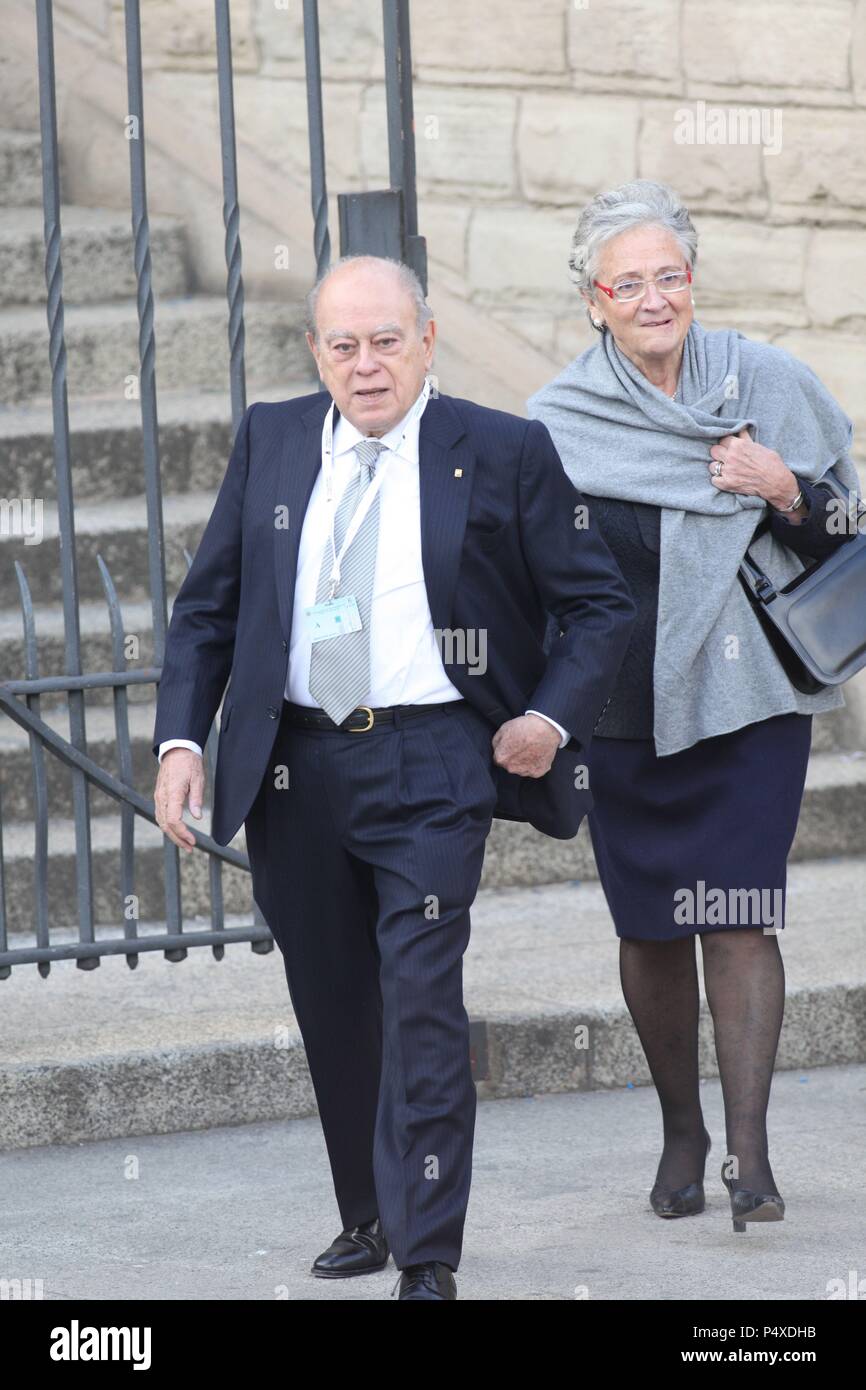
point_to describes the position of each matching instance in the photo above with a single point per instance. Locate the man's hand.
(180, 772)
(525, 746)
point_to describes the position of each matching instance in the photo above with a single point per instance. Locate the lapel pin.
(458, 472)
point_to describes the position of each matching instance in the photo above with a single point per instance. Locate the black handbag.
(816, 624)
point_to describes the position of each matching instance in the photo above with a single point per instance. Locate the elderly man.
(375, 580)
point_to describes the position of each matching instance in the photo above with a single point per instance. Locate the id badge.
(333, 618)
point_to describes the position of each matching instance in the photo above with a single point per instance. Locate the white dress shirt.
(406, 665)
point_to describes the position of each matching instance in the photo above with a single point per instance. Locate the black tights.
(745, 986)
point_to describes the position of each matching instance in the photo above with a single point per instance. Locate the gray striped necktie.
(340, 666)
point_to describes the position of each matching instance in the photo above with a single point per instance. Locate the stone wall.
(523, 111)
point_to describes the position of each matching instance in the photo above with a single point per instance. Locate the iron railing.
(380, 222)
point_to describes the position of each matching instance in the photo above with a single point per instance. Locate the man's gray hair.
(405, 274)
(634, 204)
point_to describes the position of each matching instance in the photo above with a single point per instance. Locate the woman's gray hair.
(634, 204)
(405, 274)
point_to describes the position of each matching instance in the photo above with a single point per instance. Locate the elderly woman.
(680, 440)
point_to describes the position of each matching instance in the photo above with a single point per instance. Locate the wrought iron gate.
(380, 222)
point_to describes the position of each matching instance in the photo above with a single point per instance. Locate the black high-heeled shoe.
(747, 1205)
(683, 1201)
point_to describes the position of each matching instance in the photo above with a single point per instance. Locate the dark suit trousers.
(365, 867)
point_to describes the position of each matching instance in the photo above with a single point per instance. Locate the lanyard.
(366, 502)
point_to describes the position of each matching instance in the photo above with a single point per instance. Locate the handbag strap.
(756, 579)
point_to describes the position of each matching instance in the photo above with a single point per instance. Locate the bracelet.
(792, 506)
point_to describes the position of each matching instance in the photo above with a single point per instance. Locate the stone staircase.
(110, 514)
(195, 437)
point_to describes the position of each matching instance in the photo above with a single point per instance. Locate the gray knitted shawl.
(619, 436)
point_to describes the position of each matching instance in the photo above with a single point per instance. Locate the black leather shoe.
(362, 1250)
(747, 1205)
(433, 1280)
(683, 1201)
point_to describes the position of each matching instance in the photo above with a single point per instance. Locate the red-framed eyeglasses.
(671, 282)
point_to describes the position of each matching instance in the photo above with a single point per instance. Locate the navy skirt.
(698, 841)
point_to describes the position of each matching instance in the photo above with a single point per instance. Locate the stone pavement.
(87, 1055)
(558, 1209)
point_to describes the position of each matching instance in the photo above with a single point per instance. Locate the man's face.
(369, 353)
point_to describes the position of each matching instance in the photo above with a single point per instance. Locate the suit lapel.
(446, 466)
(300, 462)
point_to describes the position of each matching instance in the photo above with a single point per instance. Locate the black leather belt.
(362, 719)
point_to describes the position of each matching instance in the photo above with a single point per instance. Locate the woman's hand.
(752, 469)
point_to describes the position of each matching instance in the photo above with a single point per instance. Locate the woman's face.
(653, 327)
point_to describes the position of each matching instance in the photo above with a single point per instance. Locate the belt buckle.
(366, 727)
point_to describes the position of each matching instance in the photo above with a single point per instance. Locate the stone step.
(105, 836)
(194, 442)
(20, 169)
(96, 252)
(541, 963)
(117, 531)
(832, 732)
(832, 820)
(191, 346)
(96, 646)
(843, 730)
(16, 777)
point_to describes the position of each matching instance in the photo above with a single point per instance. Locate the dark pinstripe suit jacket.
(500, 551)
